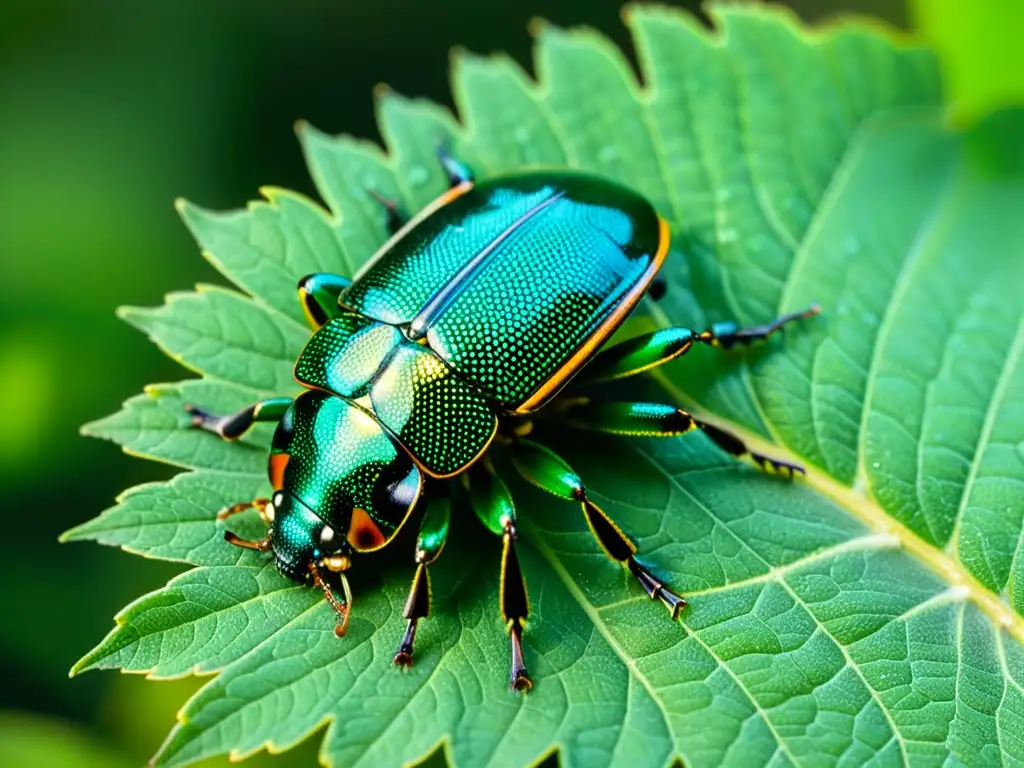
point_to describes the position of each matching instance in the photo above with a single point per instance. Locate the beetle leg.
(233, 426)
(260, 505)
(639, 354)
(395, 218)
(657, 288)
(343, 609)
(318, 295)
(458, 172)
(492, 502)
(549, 472)
(658, 420)
(429, 543)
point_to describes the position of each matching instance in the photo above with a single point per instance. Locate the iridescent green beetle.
(470, 319)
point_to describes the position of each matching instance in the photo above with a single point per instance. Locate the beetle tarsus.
(404, 656)
(727, 335)
(766, 463)
(519, 679)
(729, 443)
(657, 590)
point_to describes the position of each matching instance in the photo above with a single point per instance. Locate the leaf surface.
(871, 614)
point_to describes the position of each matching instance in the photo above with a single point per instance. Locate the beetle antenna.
(263, 545)
(342, 609)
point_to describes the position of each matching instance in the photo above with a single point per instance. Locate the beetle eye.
(327, 536)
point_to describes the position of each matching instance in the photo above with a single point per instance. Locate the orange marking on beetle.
(278, 463)
(363, 533)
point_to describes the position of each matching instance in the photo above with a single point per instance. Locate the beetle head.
(298, 537)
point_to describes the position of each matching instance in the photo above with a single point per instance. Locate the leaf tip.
(130, 313)
(383, 91)
(181, 205)
(84, 664)
(68, 535)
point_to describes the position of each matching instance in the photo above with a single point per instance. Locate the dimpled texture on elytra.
(396, 286)
(553, 256)
(344, 356)
(443, 421)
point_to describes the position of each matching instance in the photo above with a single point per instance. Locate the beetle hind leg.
(642, 353)
(659, 420)
(493, 504)
(514, 609)
(549, 472)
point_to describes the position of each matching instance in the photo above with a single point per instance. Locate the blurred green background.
(110, 109)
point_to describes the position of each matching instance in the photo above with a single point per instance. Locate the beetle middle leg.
(234, 425)
(493, 504)
(642, 353)
(429, 543)
(659, 420)
(548, 471)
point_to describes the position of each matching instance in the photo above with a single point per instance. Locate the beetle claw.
(775, 465)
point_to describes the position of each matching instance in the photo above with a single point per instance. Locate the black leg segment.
(457, 171)
(549, 472)
(659, 420)
(395, 217)
(233, 426)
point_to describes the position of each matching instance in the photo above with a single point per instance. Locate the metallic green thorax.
(338, 460)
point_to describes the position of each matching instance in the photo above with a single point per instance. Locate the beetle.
(471, 319)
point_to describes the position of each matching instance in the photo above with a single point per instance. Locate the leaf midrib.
(601, 628)
(867, 510)
(984, 437)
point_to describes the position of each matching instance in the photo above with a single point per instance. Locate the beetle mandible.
(469, 320)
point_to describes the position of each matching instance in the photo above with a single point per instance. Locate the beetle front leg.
(429, 543)
(549, 472)
(396, 219)
(492, 503)
(659, 420)
(318, 296)
(233, 426)
(642, 353)
(458, 172)
(262, 506)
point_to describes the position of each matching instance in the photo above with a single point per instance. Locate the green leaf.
(979, 47)
(871, 613)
